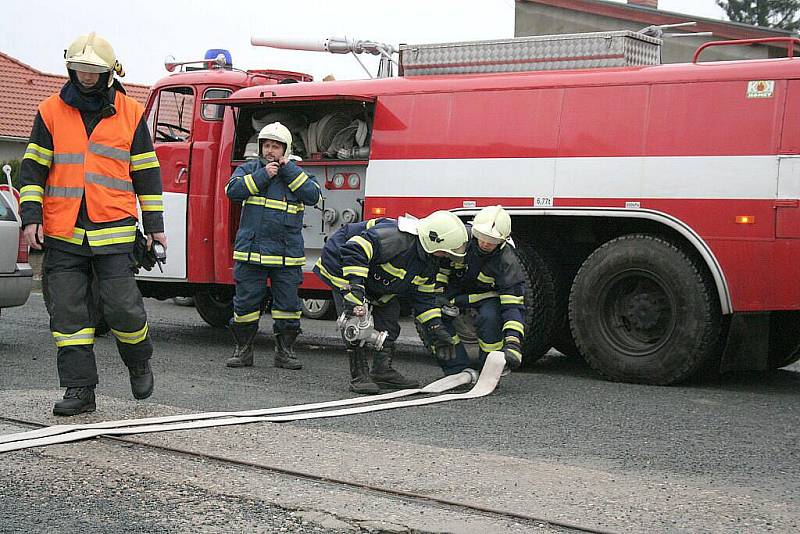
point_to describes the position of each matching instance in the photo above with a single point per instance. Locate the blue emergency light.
(213, 53)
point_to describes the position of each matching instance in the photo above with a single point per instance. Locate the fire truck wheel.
(564, 343)
(318, 309)
(540, 304)
(643, 312)
(784, 339)
(562, 338)
(215, 305)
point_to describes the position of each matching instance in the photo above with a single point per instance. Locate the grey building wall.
(537, 19)
(12, 149)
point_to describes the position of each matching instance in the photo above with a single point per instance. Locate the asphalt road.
(554, 442)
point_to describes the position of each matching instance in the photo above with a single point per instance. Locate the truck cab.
(189, 135)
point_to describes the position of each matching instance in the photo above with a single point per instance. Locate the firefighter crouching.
(90, 156)
(488, 283)
(371, 263)
(269, 244)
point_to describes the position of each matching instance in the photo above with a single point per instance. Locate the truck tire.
(540, 304)
(562, 339)
(318, 308)
(215, 305)
(564, 343)
(784, 339)
(643, 312)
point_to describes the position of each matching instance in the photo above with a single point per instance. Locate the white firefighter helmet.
(492, 224)
(443, 231)
(277, 132)
(91, 53)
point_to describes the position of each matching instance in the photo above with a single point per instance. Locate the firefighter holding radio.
(368, 264)
(273, 191)
(89, 159)
(487, 284)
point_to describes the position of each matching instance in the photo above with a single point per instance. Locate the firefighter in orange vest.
(90, 157)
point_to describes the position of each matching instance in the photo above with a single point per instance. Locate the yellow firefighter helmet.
(91, 53)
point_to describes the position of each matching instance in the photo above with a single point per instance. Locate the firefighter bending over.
(269, 244)
(372, 262)
(90, 156)
(488, 285)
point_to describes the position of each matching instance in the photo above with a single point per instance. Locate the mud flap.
(748, 343)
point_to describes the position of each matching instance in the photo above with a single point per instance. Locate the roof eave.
(649, 16)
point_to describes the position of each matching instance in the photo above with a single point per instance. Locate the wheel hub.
(638, 313)
(644, 312)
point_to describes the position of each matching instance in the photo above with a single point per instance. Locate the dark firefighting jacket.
(479, 276)
(270, 229)
(386, 261)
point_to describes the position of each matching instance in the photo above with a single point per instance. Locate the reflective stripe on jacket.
(97, 168)
(271, 225)
(499, 274)
(385, 260)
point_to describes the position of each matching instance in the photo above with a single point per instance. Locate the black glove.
(441, 341)
(439, 336)
(448, 309)
(445, 352)
(460, 301)
(353, 295)
(512, 350)
(145, 259)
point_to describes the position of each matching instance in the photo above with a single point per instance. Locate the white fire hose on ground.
(485, 384)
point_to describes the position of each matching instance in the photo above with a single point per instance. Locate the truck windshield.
(173, 115)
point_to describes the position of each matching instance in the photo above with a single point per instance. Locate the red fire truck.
(656, 207)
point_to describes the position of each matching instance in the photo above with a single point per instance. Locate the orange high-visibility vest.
(97, 167)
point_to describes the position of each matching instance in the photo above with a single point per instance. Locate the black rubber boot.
(359, 373)
(387, 377)
(142, 383)
(284, 350)
(243, 335)
(75, 401)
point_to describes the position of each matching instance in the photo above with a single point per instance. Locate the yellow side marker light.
(745, 219)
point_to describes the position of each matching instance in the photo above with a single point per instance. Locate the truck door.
(170, 123)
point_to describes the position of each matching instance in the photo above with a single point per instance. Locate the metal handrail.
(790, 42)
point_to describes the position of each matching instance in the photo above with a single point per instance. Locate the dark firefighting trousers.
(73, 315)
(485, 315)
(251, 289)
